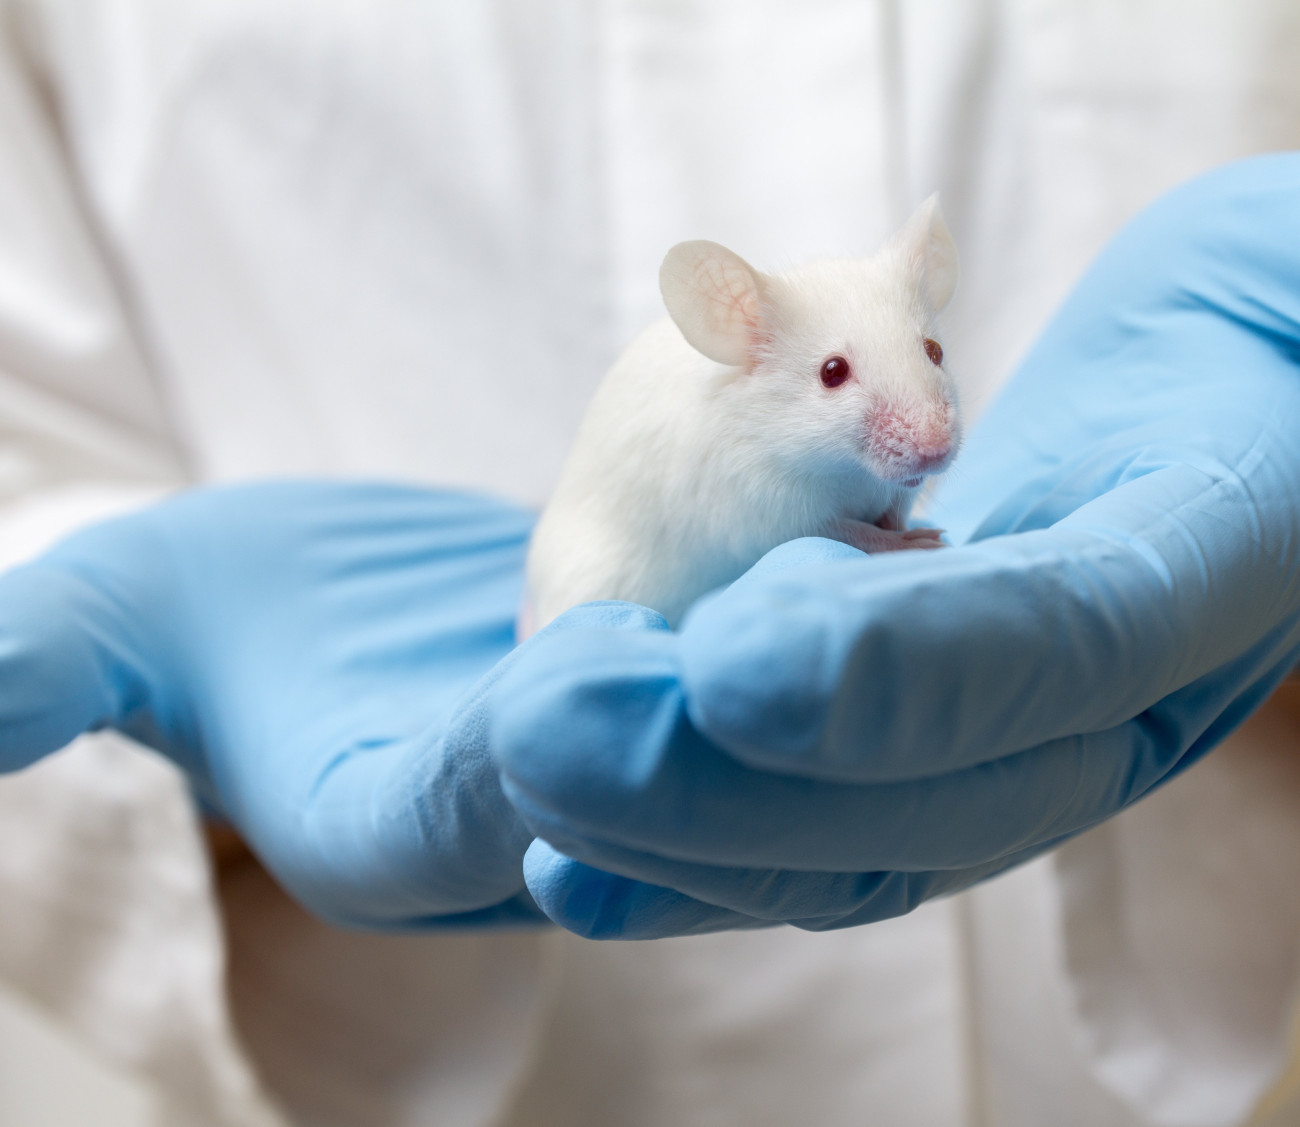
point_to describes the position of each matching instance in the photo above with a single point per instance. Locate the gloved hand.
(306, 653)
(836, 738)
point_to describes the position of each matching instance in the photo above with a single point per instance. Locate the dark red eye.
(835, 370)
(933, 351)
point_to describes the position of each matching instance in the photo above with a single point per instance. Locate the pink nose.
(930, 458)
(908, 442)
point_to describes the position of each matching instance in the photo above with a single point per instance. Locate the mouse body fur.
(764, 408)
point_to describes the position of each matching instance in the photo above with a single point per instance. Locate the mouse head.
(837, 360)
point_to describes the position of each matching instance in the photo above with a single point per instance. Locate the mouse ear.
(713, 296)
(927, 245)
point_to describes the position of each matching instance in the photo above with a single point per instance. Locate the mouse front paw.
(872, 538)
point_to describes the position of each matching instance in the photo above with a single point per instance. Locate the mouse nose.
(905, 442)
(927, 459)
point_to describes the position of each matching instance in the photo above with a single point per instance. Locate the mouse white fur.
(763, 408)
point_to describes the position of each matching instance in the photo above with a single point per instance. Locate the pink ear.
(928, 245)
(713, 296)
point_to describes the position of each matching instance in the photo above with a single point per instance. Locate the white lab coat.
(369, 237)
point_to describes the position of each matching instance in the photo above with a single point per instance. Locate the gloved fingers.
(601, 889)
(624, 766)
(920, 664)
(641, 896)
(602, 905)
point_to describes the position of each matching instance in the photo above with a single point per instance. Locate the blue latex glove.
(836, 738)
(307, 653)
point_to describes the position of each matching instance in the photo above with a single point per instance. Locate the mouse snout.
(910, 440)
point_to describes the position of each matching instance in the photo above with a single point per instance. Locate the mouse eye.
(835, 370)
(933, 351)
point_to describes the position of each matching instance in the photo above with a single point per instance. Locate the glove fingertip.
(595, 904)
(749, 692)
(739, 647)
(571, 894)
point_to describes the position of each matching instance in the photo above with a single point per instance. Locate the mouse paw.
(872, 538)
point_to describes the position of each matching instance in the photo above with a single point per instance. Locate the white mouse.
(763, 408)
